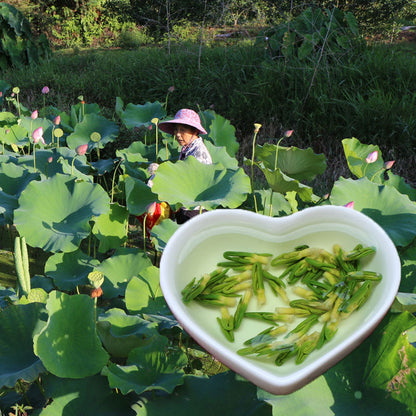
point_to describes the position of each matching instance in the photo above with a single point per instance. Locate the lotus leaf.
(408, 280)
(220, 155)
(222, 394)
(102, 166)
(54, 214)
(13, 180)
(392, 210)
(138, 195)
(120, 268)
(18, 324)
(69, 270)
(88, 396)
(299, 164)
(279, 182)
(191, 183)
(120, 333)
(143, 293)
(111, 228)
(136, 115)
(93, 123)
(31, 125)
(356, 153)
(162, 232)
(68, 345)
(220, 131)
(14, 134)
(148, 369)
(401, 185)
(78, 112)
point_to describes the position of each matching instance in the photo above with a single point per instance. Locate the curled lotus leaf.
(54, 214)
(18, 324)
(299, 164)
(138, 195)
(14, 135)
(220, 131)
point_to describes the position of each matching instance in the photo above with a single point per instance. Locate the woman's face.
(184, 134)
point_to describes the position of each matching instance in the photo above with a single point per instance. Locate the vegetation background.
(216, 55)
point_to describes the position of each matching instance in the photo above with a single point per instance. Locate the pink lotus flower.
(34, 115)
(388, 165)
(288, 133)
(45, 90)
(349, 205)
(38, 135)
(372, 157)
(57, 120)
(81, 149)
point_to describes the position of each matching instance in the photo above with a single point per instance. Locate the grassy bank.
(368, 95)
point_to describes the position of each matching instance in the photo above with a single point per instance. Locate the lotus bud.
(288, 133)
(171, 89)
(34, 115)
(349, 205)
(57, 120)
(50, 159)
(38, 135)
(388, 165)
(45, 90)
(81, 149)
(372, 157)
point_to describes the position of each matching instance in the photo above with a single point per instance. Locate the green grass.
(369, 94)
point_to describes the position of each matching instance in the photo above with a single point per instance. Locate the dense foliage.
(99, 280)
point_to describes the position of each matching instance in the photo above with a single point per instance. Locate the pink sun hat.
(184, 116)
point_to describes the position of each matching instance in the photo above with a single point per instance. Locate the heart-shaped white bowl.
(198, 245)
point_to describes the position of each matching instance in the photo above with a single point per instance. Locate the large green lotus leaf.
(18, 324)
(102, 166)
(299, 164)
(7, 118)
(136, 115)
(270, 203)
(222, 394)
(147, 369)
(93, 123)
(220, 155)
(138, 195)
(90, 396)
(191, 183)
(401, 185)
(69, 270)
(144, 295)
(220, 131)
(13, 179)
(120, 333)
(281, 183)
(404, 302)
(68, 345)
(14, 134)
(111, 228)
(120, 268)
(54, 214)
(356, 153)
(162, 232)
(408, 270)
(392, 210)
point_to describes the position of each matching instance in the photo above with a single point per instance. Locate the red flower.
(155, 213)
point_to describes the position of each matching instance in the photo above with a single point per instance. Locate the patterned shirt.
(198, 150)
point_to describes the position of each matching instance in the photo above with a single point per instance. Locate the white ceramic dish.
(197, 246)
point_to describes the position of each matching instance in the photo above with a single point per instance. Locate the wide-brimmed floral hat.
(184, 116)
